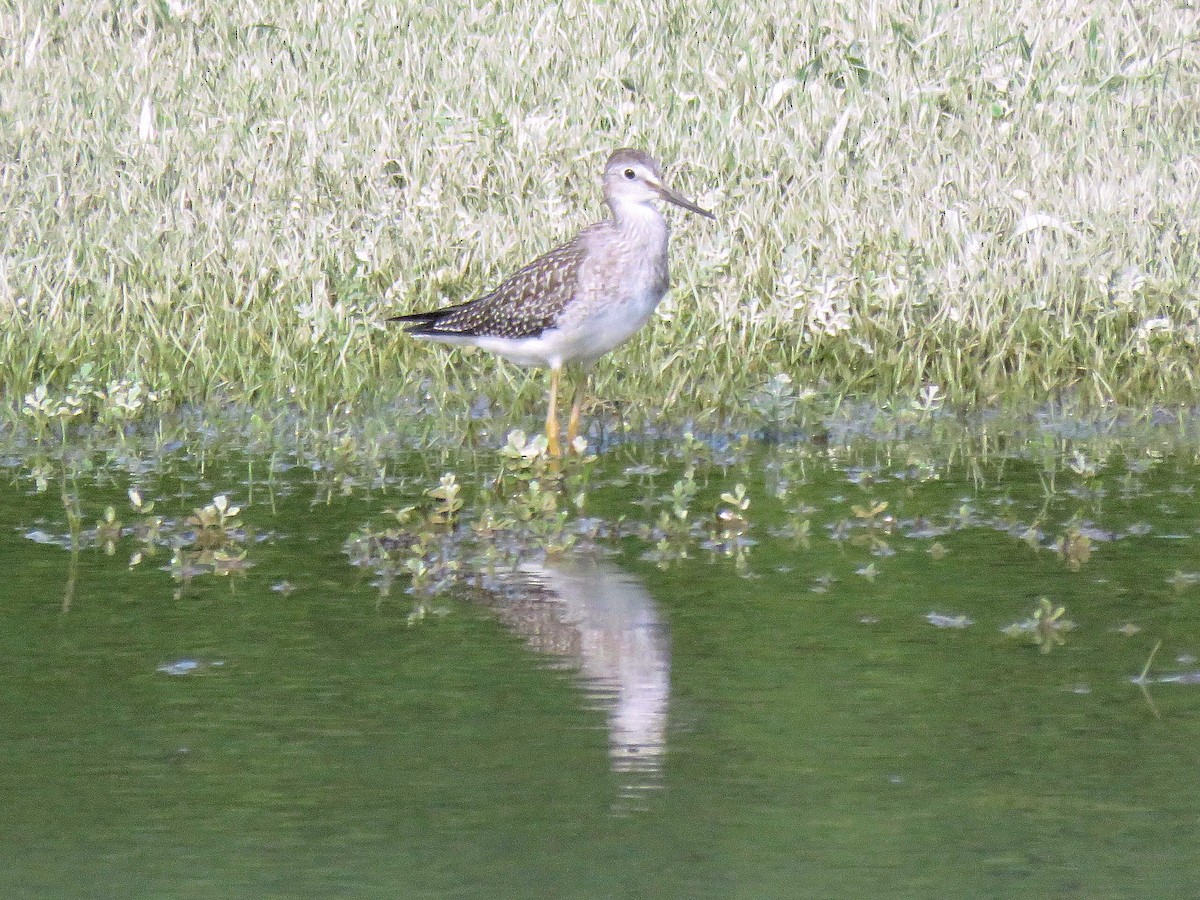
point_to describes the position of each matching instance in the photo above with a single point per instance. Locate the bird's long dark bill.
(671, 197)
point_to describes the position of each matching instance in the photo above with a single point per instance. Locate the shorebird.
(580, 300)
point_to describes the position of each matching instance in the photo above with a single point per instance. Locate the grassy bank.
(210, 202)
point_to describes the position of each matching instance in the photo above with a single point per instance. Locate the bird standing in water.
(580, 300)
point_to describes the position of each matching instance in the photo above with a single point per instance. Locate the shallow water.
(813, 695)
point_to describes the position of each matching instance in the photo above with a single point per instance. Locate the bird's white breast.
(622, 282)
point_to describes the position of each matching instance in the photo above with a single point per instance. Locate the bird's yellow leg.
(552, 446)
(576, 407)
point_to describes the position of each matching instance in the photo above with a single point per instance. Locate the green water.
(779, 720)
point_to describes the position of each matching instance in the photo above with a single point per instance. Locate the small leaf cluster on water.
(147, 529)
(728, 535)
(214, 545)
(1074, 546)
(1045, 626)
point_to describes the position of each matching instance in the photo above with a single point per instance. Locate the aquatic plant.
(449, 538)
(929, 400)
(674, 532)
(1045, 626)
(148, 530)
(108, 531)
(1074, 546)
(214, 543)
(777, 403)
(728, 532)
(1181, 580)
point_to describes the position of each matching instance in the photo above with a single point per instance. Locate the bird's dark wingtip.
(426, 324)
(417, 318)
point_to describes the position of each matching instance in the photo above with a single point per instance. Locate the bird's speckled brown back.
(526, 303)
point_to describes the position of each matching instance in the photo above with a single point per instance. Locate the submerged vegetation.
(210, 203)
(860, 500)
(897, 616)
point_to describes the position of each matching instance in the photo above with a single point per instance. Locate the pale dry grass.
(227, 199)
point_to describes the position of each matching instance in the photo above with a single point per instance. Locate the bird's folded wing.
(527, 303)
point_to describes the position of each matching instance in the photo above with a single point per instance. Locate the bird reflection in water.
(603, 622)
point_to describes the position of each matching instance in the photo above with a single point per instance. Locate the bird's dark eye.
(629, 173)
